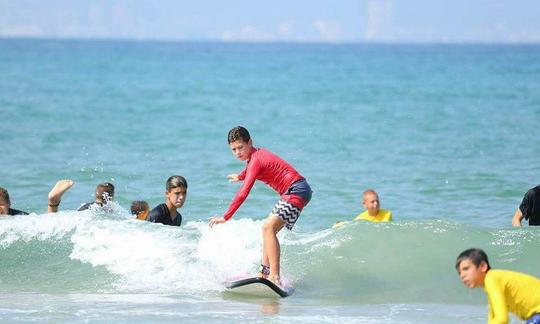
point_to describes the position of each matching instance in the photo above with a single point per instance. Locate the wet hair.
(238, 133)
(477, 256)
(176, 181)
(105, 191)
(4, 195)
(369, 192)
(139, 206)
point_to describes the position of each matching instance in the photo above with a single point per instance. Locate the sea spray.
(358, 263)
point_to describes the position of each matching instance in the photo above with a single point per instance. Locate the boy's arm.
(523, 209)
(250, 173)
(498, 311)
(516, 220)
(242, 175)
(237, 177)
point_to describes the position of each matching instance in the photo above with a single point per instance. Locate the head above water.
(104, 192)
(140, 208)
(5, 203)
(370, 200)
(176, 181)
(240, 143)
(176, 192)
(472, 266)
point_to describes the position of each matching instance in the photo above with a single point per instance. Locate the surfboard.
(259, 287)
(340, 224)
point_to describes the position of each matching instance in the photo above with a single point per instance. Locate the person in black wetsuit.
(5, 205)
(175, 196)
(529, 208)
(104, 195)
(54, 198)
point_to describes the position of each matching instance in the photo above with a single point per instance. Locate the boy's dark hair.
(176, 181)
(476, 256)
(105, 191)
(4, 195)
(139, 206)
(238, 133)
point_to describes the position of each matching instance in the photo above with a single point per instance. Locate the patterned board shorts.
(535, 319)
(287, 212)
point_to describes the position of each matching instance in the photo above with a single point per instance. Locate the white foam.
(154, 257)
(232, 248)
(40, 227)
(148, 257)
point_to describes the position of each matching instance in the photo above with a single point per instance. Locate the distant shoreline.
(218, 41)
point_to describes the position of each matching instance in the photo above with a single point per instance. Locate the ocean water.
(445, 134)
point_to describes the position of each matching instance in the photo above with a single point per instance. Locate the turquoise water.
(444, 133)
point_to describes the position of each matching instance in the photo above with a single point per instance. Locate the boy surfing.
(269, 168)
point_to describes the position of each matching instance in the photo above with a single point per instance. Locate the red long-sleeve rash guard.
(269, 168)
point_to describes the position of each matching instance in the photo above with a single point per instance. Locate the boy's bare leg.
(271, 248)
(55, 195)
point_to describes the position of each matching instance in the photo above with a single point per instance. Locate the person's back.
(521, 293)
(15, 212)
(529, 209)
(273, 170)
(87, 205)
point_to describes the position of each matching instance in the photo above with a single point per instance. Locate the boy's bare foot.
(55, 195)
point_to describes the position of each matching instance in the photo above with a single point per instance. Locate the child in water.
(373, 212)
(292, 187)
(140, 209)
(507, 291)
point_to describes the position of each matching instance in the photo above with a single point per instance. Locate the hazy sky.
(276, 20)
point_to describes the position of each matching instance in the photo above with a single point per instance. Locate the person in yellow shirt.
(507, 291)
(373, 212)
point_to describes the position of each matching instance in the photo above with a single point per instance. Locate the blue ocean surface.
(446, 134)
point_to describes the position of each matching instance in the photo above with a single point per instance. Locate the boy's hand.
(216, 220)
(233, 177)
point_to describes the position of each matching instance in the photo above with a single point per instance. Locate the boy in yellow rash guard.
(507, 291)
(372, 213)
